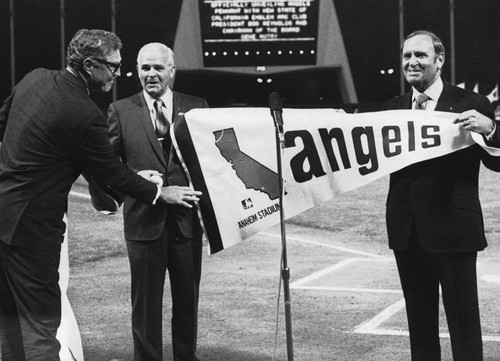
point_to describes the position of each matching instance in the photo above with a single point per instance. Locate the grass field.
(346, 302)
(345, 294)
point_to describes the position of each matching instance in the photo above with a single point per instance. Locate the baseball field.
(346, 302)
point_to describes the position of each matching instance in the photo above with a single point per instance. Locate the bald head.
(156, 68)
(156, 48)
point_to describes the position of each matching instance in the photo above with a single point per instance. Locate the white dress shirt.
(433, 92)
(167, 99)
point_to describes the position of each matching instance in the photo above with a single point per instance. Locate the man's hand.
(152, 176)
(474, 121)
(179, 195)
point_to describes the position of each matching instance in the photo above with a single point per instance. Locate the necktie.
(421, 99)
(161, 122)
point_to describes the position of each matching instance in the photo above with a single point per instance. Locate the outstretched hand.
(179, 196)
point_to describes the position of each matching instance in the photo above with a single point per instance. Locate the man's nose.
(413, 60)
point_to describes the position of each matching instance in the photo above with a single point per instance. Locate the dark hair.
(91, 44)
(436, 41)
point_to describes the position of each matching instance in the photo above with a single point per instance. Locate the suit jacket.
(50, 130)
(132, 135)
(439, 197)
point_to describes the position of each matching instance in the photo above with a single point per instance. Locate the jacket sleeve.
(491, 162)
(104, 198)
(105, 166)
(114, 131)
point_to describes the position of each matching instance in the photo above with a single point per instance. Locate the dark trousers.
(149, 261)
(30, 304)
(421, 273)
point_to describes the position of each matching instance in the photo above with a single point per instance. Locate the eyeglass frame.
(110, 65)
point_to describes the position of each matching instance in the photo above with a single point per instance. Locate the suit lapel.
(448, 101)
(142, 111)
(406, 101)
(403, 102)
(178, 106)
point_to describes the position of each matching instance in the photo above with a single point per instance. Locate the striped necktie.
(161, 123)
(421, 99)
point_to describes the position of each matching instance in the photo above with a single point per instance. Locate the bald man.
(158, 239)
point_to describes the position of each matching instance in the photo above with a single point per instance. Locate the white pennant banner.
(231, 155)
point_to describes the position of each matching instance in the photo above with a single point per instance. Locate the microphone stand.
(285, 271)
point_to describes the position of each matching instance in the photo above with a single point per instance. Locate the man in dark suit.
(158, 239)
(50, 131)
(434, 218)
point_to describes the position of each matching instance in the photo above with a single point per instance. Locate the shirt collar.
(434, 91)
(166, 98)
(79, 75)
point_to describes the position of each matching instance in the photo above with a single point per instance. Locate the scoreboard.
(258, 33)
(239, 51)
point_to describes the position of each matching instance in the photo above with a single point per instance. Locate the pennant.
(231, 156)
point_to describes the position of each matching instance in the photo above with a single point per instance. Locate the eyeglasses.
(113, 67)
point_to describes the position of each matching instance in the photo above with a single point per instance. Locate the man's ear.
(440, 61)
(87, 65)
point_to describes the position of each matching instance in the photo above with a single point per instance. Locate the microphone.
(276, 111)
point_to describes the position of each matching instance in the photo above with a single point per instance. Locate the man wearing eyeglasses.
(50, 131)
(101, 78)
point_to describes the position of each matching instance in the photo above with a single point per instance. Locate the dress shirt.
(433, 92)
(167, 100)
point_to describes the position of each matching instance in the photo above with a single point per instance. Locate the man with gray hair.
(50, 131)
(158, 239)
(434, 220)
